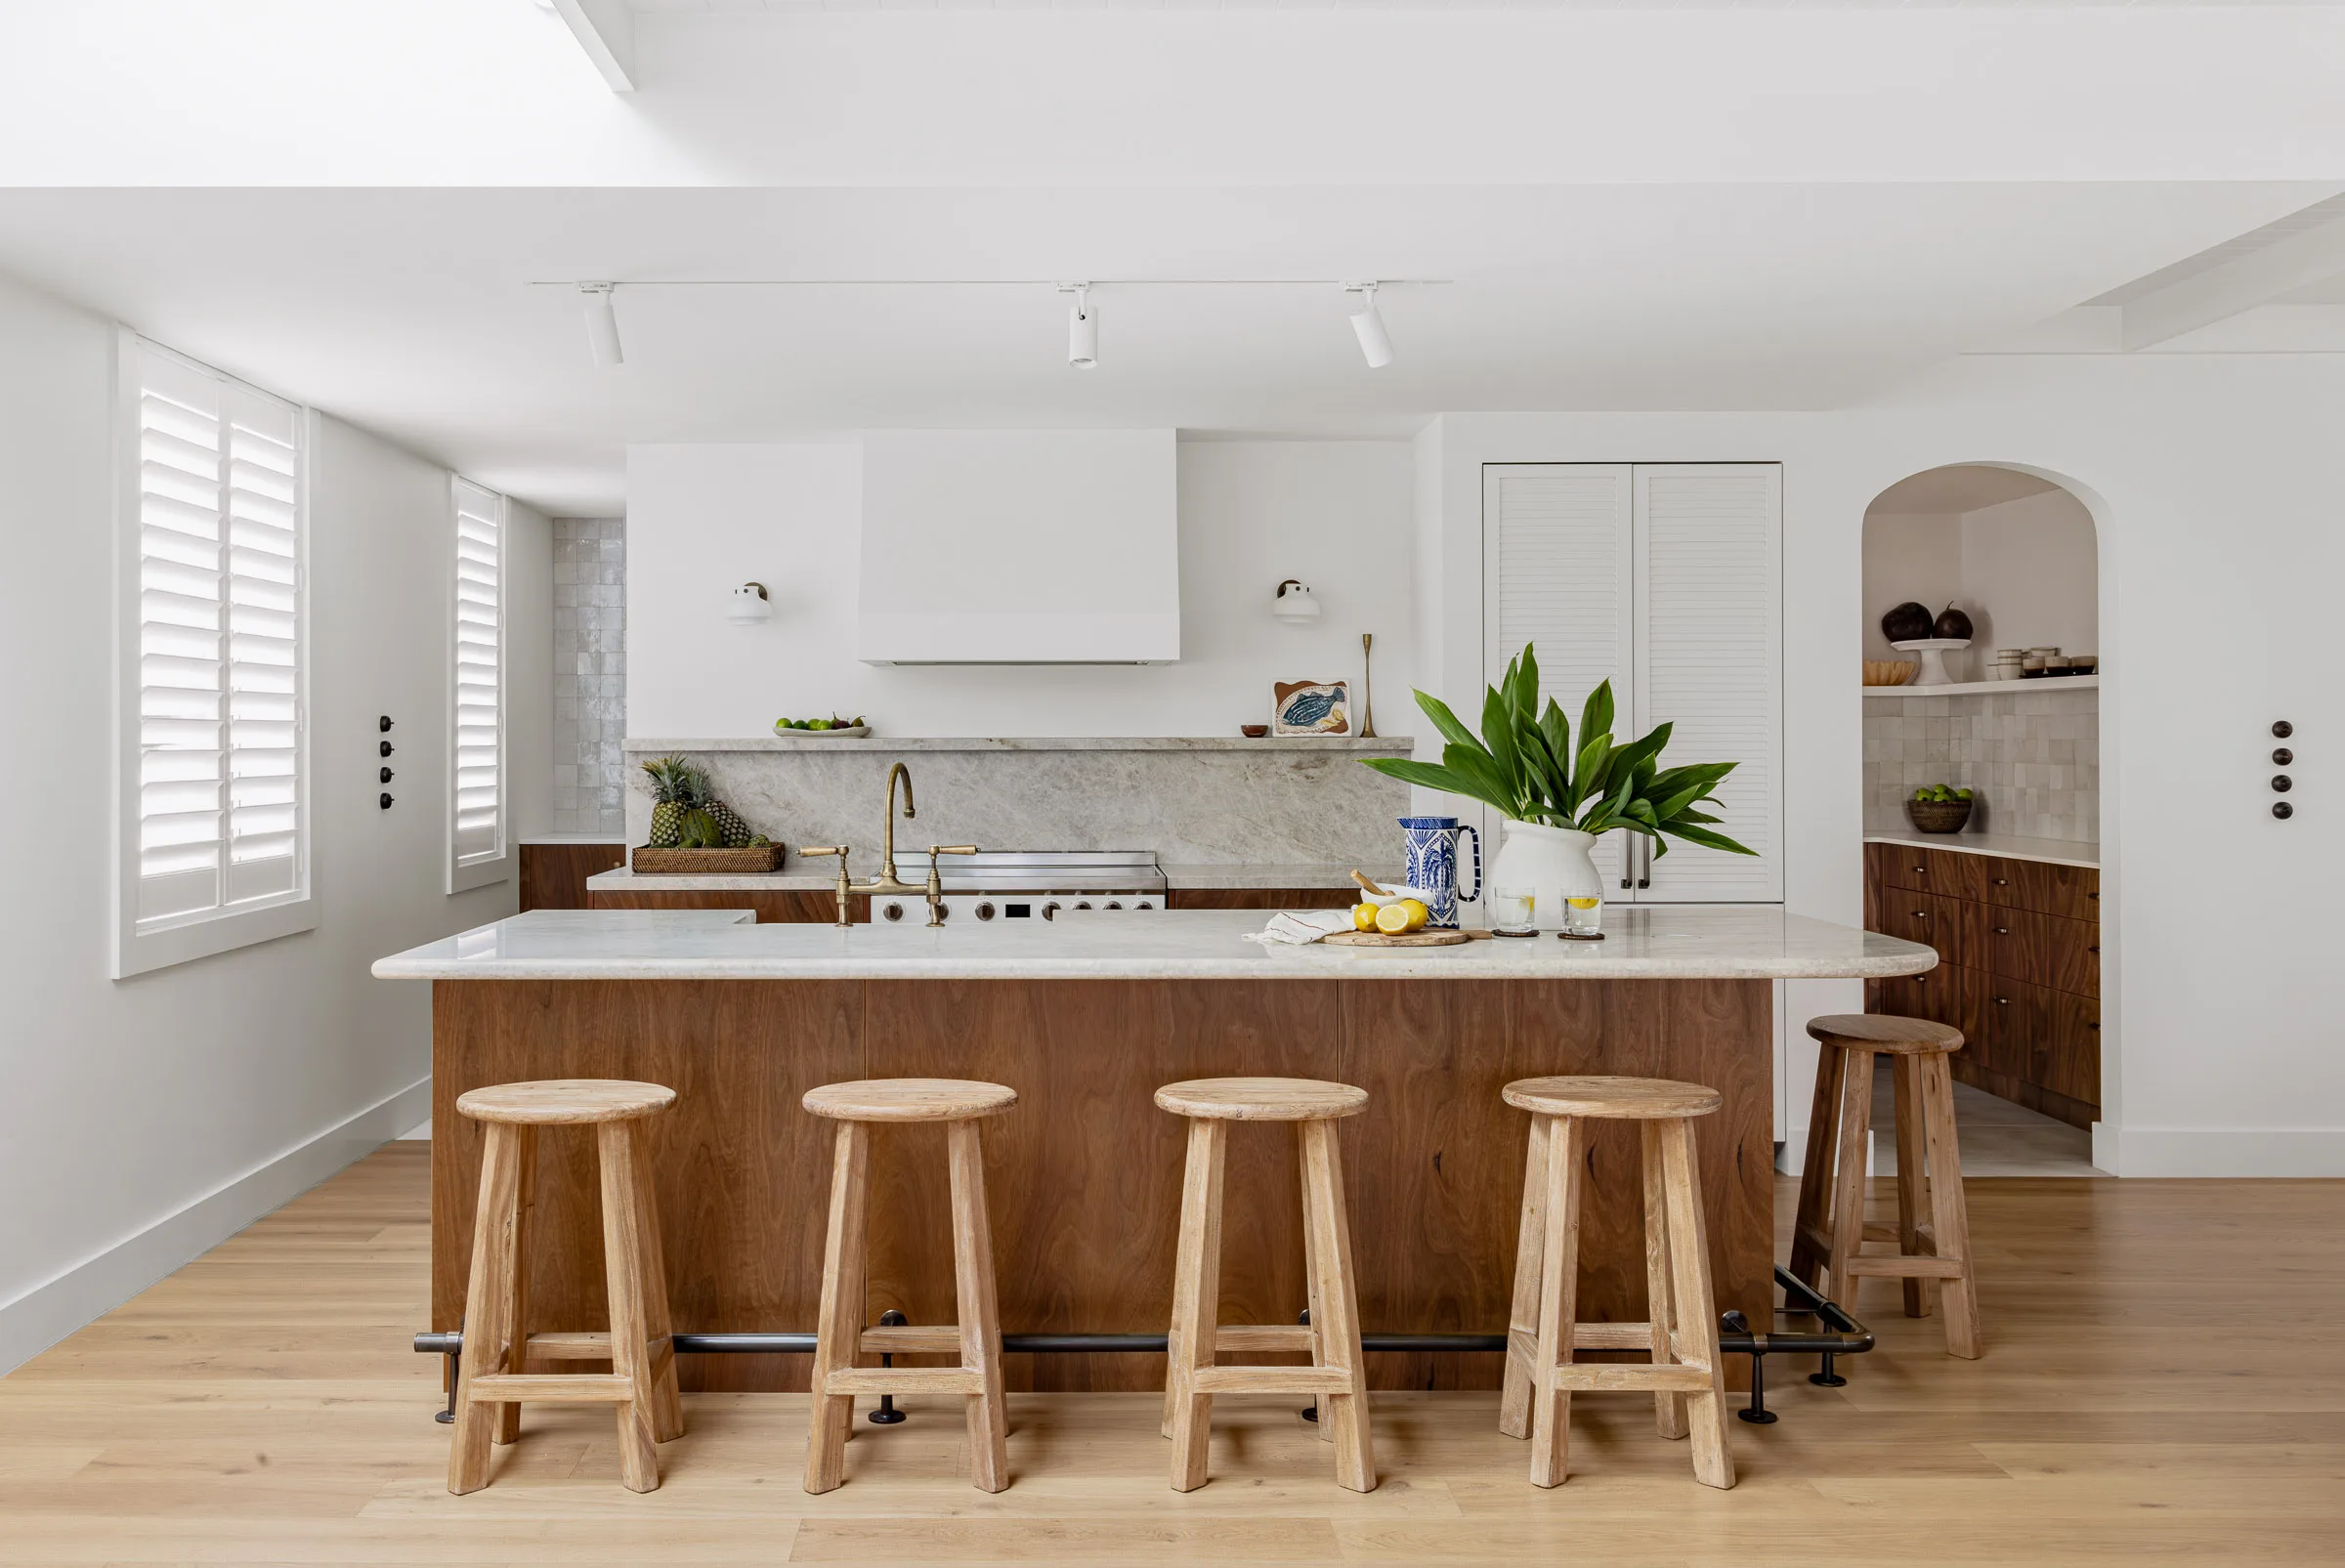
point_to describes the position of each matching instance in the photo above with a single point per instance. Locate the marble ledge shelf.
(1380, 745)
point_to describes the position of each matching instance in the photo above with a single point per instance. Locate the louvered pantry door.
(1708, 625)
(1555, 560)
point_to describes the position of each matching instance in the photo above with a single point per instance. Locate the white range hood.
(1020, 547)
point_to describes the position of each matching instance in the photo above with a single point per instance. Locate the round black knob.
(2282, 730)
(383, 724)
(2281, 756)
(1114, 904)
(1084, 904)
(2283, 810)
(1050, 910)
(383, 748)
(384, 801)
(383, 775)
(985, 911)
(894, 912)
(2281, 783)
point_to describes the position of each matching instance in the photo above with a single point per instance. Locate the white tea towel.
(1302, 927)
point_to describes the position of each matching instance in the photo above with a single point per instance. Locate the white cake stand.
(1934, 651)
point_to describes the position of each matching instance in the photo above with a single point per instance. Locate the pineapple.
(677, 786)
(735, 833)
(697, 830)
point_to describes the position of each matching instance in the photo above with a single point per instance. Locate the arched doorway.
(2010, 897)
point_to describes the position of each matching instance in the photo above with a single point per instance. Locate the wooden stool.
(1681, 1333)
(1831, 1231)
(1337, 1375)
(839, 1332)
(493, 1377)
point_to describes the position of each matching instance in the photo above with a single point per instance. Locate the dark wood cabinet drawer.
(2042, 950)
(1930, 918)
(1930, 870)
(2048, 1038)
(2073, 1062)
(2070, 891)
(1947, 994)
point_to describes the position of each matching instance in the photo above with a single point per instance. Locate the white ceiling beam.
(2241, 284)
(606, 31)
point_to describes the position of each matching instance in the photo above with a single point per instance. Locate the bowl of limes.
(1938, 809)
(833, 728)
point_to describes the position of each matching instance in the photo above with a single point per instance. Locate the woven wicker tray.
(650, 862)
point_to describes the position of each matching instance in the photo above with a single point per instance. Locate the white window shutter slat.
(477, 785)
(219, 809)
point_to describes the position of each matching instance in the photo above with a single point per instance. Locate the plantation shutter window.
(212, 762)
(476, 780)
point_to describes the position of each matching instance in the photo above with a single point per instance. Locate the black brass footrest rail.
(1844, 1336)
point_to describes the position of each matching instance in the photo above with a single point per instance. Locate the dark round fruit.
(1953, 624)
(1908, 622)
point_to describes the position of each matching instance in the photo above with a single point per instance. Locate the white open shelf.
(2045, 683)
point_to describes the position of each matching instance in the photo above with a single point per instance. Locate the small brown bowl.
(1938, 816)
(1254, 731)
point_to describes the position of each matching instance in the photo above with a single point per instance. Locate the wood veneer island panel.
(1085, 1175)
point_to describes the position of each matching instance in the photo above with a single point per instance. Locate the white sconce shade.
(1083, 332)
(1295, 604)
(750, 605)
(1376, 345)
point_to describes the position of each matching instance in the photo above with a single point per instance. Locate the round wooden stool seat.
(909, 1099)
(1611, 1099)
(1261, 1099)
(565, 1101)
(1885, 1032)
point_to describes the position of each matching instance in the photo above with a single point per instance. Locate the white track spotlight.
(1082, 327)
(1376, 345)
(602, 324)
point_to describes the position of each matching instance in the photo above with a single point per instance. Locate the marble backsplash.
(1193, 802)
(2032, 757)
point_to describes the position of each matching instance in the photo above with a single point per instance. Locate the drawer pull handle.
(2094, 896)
(1921, 870)
(2000, 882)
(2002, 1002)
(1921, 915)
(2002, 930)
(2092, 949)
(2094, 1026)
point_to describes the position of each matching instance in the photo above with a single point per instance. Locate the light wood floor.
(2164, 1381)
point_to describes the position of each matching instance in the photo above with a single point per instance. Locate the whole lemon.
(1363, 917)
(1419, 914)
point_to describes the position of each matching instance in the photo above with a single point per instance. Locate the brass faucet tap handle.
(935, 850)
(844, 881)
(823, 849)
(936, 882)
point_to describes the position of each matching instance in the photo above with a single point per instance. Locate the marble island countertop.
(1683, 943)
(802, 878)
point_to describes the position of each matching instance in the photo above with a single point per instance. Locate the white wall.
(699, 518)
(144, 1120)
(529, 669)
(2026, 571)
(2214, 482)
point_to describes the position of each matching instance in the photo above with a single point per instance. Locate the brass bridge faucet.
(887, 881)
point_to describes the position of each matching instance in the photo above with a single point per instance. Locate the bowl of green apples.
(1938, 809)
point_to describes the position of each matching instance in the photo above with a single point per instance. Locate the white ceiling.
(411, 311)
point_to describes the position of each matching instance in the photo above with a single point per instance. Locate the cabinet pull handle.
(2094, 1026)
(2001, 883)
(2002, 930)
(2002, 1002)
(2092, 949)
(2094, 896)
(1921, 870)
(1921, 915)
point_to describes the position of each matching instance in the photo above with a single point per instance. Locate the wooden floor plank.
(263, 1406)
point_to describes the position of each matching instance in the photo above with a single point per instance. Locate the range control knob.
(1114, 904)
(1143, 905)
(985, 911)
(1084, 904)
(1050, 910)
(893, 911)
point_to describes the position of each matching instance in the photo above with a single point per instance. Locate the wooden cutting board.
(1413, 939)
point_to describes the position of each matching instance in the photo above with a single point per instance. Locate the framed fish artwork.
(1310, 707)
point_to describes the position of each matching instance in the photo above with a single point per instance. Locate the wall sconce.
(1295, 604)
(750, 605)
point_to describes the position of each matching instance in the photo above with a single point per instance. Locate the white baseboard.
(48, 1312)
(2220, 1150)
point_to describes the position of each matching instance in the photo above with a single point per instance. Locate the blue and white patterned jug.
(1432, 865)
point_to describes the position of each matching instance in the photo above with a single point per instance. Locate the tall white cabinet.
(1666, 579)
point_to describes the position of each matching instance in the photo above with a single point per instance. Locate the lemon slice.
(1393, 919)
(1363, 917)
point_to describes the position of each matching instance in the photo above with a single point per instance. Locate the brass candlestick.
(1367, 698)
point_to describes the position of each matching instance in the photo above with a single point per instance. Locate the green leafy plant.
(1524, 764)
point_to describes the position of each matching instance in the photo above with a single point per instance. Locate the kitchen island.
(1085, 1016)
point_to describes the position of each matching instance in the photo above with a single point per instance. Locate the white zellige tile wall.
(2033, 758)
(590, 674)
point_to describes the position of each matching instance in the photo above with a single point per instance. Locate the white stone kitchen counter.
(914, 867)
(1721, 942)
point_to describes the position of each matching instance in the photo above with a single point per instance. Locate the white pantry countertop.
(805, 880)
(1687, 942)
(2050, 850)
(1384, 745)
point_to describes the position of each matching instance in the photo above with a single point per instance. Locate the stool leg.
(1314, 1291)
(1696, 1309)
(525, 1205)
(1196, 1302)
(622, 1278)
(1559, 1290)
(1522, 1323)
(1950, 1211)
(1906, 1078)
(980, 1325)
(1660, 1299)
(1337, 1339)
(1816, 1172)
(1848, 1171)
(488, 1306)
(667, 1402)
(838, 1319)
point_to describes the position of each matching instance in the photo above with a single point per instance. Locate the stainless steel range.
(1000, 886)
